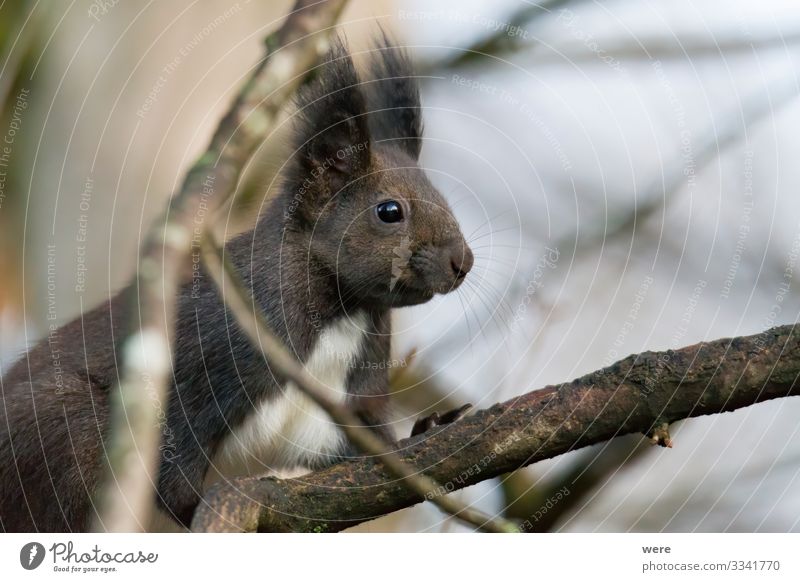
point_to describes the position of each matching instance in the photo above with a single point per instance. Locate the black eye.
(389, 211)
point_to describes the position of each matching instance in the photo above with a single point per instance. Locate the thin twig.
(503, 41)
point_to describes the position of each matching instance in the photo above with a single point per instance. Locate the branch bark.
(639, 394)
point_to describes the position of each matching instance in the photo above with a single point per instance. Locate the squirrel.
(356, 230)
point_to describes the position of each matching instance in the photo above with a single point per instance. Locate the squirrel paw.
(426, 423)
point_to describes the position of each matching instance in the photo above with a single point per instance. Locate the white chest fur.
(288, 431)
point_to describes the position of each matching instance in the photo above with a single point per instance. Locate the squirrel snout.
(461, 260)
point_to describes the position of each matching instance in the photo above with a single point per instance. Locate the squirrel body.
(322, 265)
(290, 430)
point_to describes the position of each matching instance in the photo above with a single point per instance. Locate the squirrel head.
(368, 215)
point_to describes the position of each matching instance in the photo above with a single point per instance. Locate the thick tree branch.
(637, 394)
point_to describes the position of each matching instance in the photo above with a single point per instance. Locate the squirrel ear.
(393, 97)
(340, 152)
(332, 126)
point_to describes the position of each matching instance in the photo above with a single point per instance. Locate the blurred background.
(625, 171)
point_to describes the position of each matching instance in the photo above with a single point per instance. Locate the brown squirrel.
(356, 230)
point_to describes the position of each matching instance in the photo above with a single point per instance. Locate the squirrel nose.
(461, 260)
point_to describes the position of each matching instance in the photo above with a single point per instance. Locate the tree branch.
(639, 394)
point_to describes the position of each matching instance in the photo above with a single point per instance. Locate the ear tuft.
(393, 97)
(332, 133)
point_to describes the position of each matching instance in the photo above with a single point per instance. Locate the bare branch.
(505, 40)
(665, 189)
(637, 394)
(687, 47)
(527, 499)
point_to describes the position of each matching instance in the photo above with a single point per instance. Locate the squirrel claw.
(425, 423)
(660, 436)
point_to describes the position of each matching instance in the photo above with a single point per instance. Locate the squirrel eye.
(389, 211)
